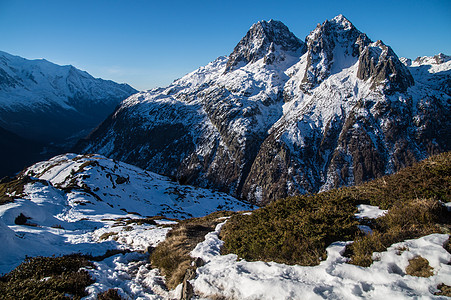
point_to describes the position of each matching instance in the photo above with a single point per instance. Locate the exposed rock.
(260, 41)
(187, 291)
(380, 64)
(278, 117)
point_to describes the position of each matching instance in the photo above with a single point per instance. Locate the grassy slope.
(297, 230)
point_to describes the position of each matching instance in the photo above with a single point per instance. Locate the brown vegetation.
(172, 255)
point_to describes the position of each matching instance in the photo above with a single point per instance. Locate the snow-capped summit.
(342, 21)
(261, 40)
(280, 117)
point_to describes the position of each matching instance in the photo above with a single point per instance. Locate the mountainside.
(46, 102)
(12, 146)
(65, 205)
(296, 247)
(280, 116)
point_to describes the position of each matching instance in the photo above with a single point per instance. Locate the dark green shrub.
(297, 230)
(47, 278)
(294, 231)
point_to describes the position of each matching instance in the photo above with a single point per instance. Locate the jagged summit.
(339, 25)
(379, 63)
(343, 21)
(337, 41)
(262, 38)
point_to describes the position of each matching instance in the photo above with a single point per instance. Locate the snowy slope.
(333, 278)
(280, 116)
(73, 200)
(48, 102)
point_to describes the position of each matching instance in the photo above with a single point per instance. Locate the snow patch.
(332, 279)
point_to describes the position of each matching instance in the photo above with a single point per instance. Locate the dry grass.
(445, 290)
(172, 255)
(110, 294)
(427, 179)
(419, 267)
(405, 220)
(14, 186)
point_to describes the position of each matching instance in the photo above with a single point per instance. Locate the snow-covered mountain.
(70, 201)
(281, 116)
(46, 102)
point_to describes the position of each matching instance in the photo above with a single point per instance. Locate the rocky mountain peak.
(256, 133)
(341, 21)
(335, 37)
(379, 63)
(338, 28)
(263, 37)
(338, 40)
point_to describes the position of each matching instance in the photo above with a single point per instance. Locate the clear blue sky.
(150, 43)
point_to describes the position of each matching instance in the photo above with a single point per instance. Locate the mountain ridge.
(49, 107)
(339, 110)
(48, 93)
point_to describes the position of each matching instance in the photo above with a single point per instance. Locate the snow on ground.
(130, 274)
(369, 211)
(92, 204)
(147, 193)
(88, 204)
(332, 279)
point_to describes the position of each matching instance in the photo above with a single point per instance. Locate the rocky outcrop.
(379, 63)
(330, 43)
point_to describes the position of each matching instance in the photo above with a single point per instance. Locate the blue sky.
(149, 44)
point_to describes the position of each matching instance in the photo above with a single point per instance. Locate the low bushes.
(47, 278)
(405, 220)
(297, 230)
(293, 231)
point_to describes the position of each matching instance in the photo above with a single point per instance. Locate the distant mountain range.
(281, 116)
(46, 103)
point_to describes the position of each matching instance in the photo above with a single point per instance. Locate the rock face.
(50, 103)
(260, 42)
(280, 117)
